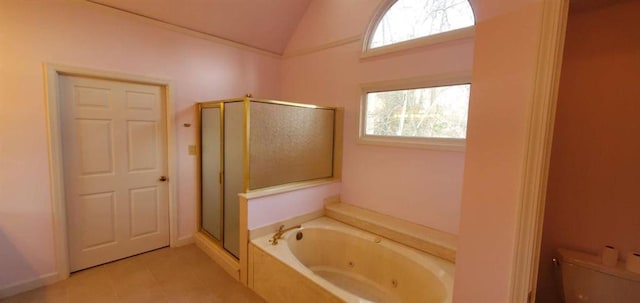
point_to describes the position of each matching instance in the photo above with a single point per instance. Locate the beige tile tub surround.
(429, 240)
(362, 265)
(276, 282)
(171, 275)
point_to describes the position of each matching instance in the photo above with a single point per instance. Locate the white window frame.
(435, 39)
(447, 144)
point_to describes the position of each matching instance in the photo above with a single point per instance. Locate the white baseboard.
(26, 285)
(50, 278)
(183, 241)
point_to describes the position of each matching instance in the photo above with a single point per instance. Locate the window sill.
(454, 145)
(459, 34)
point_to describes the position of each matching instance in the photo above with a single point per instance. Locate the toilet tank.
(585, 279)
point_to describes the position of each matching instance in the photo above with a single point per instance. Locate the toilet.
(585, 279)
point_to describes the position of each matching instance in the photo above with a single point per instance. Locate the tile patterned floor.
(171, 275)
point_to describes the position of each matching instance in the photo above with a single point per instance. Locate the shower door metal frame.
(246, 156)
(221, 175)
(199, 108)
(247, 139)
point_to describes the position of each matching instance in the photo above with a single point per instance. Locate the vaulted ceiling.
(262, 24)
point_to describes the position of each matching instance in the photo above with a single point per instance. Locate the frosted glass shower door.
(233, 173)
(211, 155)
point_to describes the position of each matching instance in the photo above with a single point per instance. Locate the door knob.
(162, 178)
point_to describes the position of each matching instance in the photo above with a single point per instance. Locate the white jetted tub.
(348, 265)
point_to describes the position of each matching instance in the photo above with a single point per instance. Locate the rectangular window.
(428, 117)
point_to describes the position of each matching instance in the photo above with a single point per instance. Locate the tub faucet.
(278, 235)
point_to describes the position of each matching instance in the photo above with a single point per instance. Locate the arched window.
(410, 19)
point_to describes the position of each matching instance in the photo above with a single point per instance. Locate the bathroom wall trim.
(52, 73)
(22, 286)
(536, 166)
(184, 30)
(322, 47)
(186, 240)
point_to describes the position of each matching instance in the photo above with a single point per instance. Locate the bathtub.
(346, 265)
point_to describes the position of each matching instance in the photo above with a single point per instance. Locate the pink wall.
(267, 210)
(505, 60)
(242, 21)
(426, 186)
(419, 185)
(331, 20)
(81, 34)
(592, 197)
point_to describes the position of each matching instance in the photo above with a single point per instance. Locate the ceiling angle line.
(215, 37)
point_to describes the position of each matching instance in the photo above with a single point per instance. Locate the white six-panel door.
(114, 146)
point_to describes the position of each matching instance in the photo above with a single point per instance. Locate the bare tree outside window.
(435, 112)
(411, 19)
(430, 112)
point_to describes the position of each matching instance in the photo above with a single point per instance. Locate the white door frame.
(56, 174)
(538, 152)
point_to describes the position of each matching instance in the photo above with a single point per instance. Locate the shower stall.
(249, 144)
